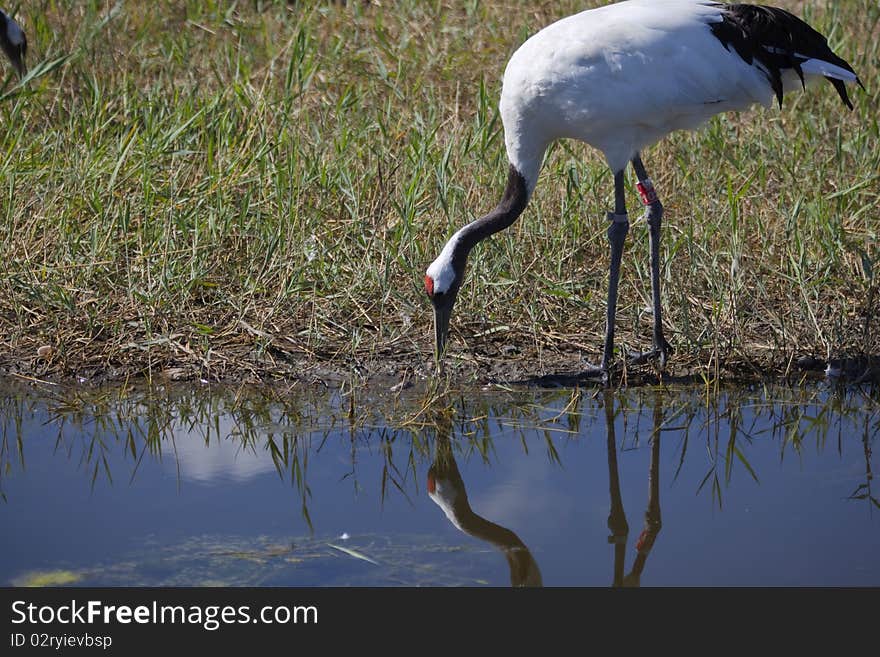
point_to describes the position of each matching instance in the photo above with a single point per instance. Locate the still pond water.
(666, 486)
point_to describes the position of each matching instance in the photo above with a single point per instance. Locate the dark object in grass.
(13, 42)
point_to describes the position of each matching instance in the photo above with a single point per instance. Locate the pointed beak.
(442, 313)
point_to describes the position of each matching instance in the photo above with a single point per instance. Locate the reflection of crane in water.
(616, 516)
(446, 488)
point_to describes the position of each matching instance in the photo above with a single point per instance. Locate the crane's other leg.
(654, 215)
(617, 230)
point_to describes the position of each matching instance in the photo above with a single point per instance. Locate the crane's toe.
(661, 351)
(600, 372)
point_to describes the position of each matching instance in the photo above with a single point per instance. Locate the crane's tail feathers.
(841, 90)
(828, 70)
(836, 75)
(773, 40)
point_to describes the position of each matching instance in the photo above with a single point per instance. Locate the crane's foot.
(660, 353)
(596, 372)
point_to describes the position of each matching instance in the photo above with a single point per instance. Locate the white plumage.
(620, 78)
(623, 76)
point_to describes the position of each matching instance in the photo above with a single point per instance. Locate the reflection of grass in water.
(220, 561)
(293, 426)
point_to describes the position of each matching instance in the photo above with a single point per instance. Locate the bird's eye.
(429, 286)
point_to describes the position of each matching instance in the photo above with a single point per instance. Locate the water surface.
(664, 486)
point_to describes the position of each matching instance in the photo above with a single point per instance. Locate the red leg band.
(647, 192)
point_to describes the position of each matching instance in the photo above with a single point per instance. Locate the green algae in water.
(39, 579)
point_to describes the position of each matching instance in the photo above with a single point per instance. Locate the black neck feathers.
(511, 206)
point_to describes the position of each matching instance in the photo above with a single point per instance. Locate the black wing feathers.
(777, 40)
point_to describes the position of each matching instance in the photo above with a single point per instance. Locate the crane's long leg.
(616, 515)
(617, 230)
(654, 215)
(653, 520)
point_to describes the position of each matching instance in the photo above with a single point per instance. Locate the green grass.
(244, 189)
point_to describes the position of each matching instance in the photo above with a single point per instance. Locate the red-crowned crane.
(446, 488)
(620, 78)
(13, 43)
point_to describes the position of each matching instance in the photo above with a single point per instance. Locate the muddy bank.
(486, 363)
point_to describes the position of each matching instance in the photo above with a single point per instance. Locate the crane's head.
(13, 43)
(442, 282)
